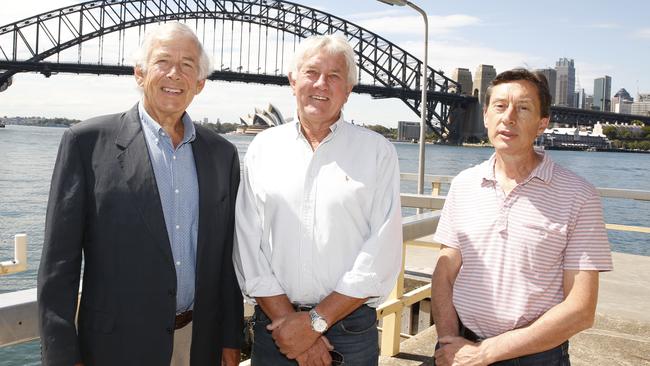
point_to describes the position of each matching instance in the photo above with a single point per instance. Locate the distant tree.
(389, 133)
(626, 134)
(611, 132)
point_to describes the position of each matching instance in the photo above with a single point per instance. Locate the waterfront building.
(581, 99)
(408, 131)
(641, 108)
(589, 102)
(565, 82)
(551, 77)
(603, 94)
(643, 97)
(622, 102)
(482, 78)
(463, 77)
(572, 138)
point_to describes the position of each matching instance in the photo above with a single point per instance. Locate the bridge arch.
(385, 69)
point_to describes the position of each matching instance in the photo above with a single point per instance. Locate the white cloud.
(604, 26)
(446, 56)
(642, 33)
(413, 25)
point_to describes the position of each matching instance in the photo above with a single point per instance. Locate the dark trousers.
(558, 356)
(355, 338)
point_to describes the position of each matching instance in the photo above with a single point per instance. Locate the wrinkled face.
(513, 117)
(171, 78)
(321, 88)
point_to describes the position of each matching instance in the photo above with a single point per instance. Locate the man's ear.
(292, 82)
(543, 124)
(139, 75)
(200, 85)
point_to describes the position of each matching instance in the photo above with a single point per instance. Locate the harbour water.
(27, 156)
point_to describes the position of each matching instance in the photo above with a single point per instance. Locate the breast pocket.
(545, 244)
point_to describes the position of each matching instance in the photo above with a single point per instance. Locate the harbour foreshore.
(620, 335)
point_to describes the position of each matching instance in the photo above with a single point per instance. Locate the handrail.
(19, 263)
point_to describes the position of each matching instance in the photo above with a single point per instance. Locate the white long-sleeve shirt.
(312, 222)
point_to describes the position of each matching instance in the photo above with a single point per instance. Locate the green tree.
(611, 132)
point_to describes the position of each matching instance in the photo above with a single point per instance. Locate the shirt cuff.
(360, 285)
(263, 286)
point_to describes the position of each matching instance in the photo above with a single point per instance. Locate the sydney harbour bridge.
(250, 41)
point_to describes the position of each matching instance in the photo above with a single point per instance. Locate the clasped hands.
(296, 339)
(458, 351)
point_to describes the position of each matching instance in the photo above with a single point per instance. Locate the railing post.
(19, 263)
(435, 188)
(392, 324)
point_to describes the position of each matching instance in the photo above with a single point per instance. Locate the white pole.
(423, 122)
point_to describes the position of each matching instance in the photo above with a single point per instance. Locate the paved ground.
(620, 336)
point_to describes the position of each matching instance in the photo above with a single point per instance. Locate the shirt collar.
(543, 171)
(335, 126)
(154, 127)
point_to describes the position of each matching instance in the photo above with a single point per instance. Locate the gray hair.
(167, 31)
(333, 44)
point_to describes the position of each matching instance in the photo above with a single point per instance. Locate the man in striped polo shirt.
(523, 242)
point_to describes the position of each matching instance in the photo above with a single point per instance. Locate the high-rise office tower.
(622, 102)
(565, 82)
(482, 78)
(464, 78)
(603, 93)
(551, 77)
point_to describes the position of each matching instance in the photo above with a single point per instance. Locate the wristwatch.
(318, 324)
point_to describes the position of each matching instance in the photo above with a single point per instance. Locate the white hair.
(333, 44)
(167, 31)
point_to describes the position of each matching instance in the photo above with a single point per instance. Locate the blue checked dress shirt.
(179, 195)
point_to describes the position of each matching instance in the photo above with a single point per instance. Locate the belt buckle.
(302, 307)
(182, 319)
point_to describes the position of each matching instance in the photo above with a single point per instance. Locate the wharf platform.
(620, 335)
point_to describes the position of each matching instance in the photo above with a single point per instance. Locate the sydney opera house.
(262, 119)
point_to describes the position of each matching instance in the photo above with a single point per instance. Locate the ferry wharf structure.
(620, 336)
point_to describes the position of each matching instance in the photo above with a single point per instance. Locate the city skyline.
(602, 41)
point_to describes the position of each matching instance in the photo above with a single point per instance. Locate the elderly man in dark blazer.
(146, 198)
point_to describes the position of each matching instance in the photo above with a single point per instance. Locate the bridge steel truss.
(583, 117)
(27, 45)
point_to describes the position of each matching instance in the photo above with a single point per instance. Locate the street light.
(423, 122)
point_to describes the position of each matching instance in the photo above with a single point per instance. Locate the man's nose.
(173, 72)
(321, 82)
(510, 115)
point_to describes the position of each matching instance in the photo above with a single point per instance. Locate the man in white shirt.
(318, 222)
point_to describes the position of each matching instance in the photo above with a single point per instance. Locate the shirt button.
(178, 263)
(156, 140)
(176, 191)
(174, 157)
(178, 227)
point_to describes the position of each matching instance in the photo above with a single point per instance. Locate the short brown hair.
(536, 78)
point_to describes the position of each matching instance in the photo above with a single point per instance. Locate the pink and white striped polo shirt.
(514, 248)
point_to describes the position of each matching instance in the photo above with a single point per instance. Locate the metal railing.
(18, 313)
(19, 263)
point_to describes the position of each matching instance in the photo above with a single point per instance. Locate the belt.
(301, 307)
(183, 319)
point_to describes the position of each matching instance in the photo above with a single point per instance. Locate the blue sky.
(604, 38)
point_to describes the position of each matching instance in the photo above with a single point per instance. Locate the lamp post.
(423, 123)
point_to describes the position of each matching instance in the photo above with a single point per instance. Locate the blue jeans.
(355, 337)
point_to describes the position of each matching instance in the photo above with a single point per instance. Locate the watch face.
(319, 325)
